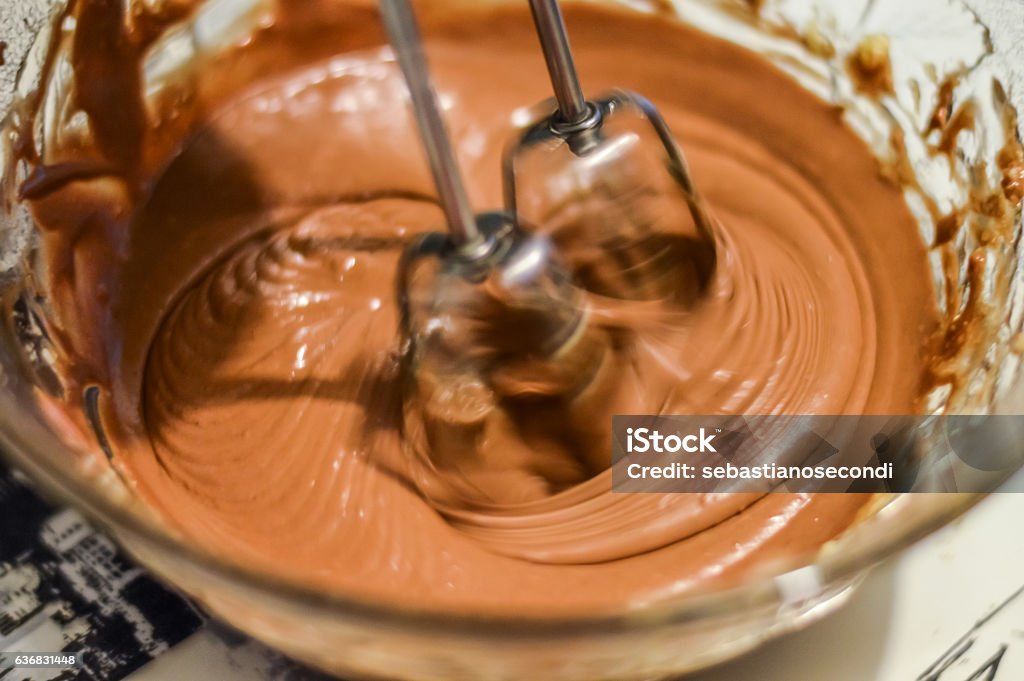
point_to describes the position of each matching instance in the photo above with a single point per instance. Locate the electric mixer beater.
(606, 180)
(505, 361)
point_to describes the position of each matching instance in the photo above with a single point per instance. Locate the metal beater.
(606, 180)
(498, 327)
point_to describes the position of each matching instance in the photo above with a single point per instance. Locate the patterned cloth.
(66, 588)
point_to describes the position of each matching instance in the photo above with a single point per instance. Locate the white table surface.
(903, 619)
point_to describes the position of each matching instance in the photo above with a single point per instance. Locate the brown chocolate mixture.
(225, 273)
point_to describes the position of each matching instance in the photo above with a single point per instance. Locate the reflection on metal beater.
(607, 182)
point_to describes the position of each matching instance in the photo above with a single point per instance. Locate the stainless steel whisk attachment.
(608, 183)
(507, 370)
(490, 315)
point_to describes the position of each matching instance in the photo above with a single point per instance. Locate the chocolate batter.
(225, 274)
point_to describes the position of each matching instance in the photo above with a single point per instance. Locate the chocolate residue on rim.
(869, 66)
(817, 42)
(943, 105)
(1011, 163)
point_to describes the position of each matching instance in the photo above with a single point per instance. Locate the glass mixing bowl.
(942, 53)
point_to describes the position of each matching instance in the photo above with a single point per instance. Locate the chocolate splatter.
(870, 67)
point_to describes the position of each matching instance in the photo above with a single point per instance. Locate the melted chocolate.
(229, 282)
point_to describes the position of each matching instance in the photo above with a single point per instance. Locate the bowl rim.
(30, 446)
